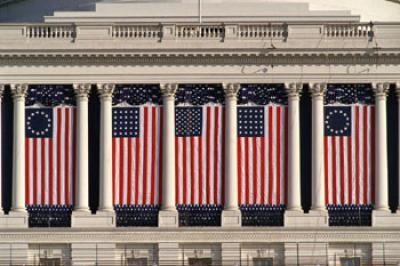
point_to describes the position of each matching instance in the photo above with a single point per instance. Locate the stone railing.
(268, 31)
(50, 31)
(136, 31)
(348, 31)
(200, 31)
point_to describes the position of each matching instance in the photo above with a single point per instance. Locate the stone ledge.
(88, 220)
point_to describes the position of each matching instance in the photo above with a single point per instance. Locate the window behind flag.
(136, 145)
(50, 145)
(262, 145)
(349, 152)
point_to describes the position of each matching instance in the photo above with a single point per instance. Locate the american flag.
(262, 154)
(50, 155)
(199, 145)
(136, 154)
(349, 146)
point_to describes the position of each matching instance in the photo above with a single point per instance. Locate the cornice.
(199, 59)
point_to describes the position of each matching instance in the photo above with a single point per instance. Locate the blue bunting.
(137, 94)
(349, 94)
(262, 94)
(200, 94)
(50, 95)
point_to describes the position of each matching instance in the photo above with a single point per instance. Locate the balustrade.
(348, 30)
(50, 32)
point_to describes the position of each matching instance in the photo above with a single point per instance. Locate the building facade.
(200, 133)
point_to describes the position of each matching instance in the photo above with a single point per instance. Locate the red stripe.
(240, 177)
(334, 169)
(184, 165)
(286, 156)
(137, 163)
(357, 155)
(160, 173)
(114, 140)
(73, 157)
(208, 168)
(35, 171)
(153, 154)
(58, 156)
(200, 170)
(67, 169)
(177, 188)
(341, 170)
(349, 170)
(51, 177)
(191, 170)
(372, 175)
(365, 153)
(27, 187)
(121, 170)
(262, 170)
(216, 145)
(145, 151)
(326, 140)
(223, 158)
(43, 166)
(255, 159)
(129, 188)
(278, 155)
(246, 183)
(270, 156)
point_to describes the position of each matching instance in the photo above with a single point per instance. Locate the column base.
(14, 220)
(383, 218)
(168, 218)
(231, 218)
(306, 220)
(85, 219)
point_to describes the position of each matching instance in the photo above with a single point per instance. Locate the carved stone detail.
(106, 90)
(231, 90)
(18, 91)
(294, 90)
(318, 89)
(381, 89)
(168, 90)
(82, 90)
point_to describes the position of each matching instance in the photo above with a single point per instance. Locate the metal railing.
(245, 254)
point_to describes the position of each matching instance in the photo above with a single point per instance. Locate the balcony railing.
(348, 31)
(50, 32)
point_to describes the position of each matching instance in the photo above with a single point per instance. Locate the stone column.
(168, 216)
(294, 188)
(105, 197)
(317, 152)
(1, 176)
(82, 148)
(381, 161)
(398, 162)
(18, 178)
(231, 216)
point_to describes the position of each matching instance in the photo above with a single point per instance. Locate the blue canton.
(39, 123)
(337, 121)
(188, 121)
(250, 121)
(126, 122)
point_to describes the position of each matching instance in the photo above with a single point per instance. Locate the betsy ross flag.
(199, 149)
(349, 154)
(50, 142)
(262, 154)
(136, 153)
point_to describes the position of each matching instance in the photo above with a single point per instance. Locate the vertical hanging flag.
(136, 146)
(349, 145)
(50, 141)
(262, 145)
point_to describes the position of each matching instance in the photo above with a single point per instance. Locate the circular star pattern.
(38, 123)
(337, 121)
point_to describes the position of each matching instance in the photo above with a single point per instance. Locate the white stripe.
(282, 155)
(338, 175)
(117, 171)
(266, 155)
(274, 152)
(141, 136)
(369, 156)
(258, 159)
(196, 170)
(31, 170)
(133, 173)
(71, 155)
(157, 157)
(55, 173)
(212, 146)
(180, 172)
(330, 168)
(219, 149)
(124, 170)
(204, 156)
(188, 170)
(39, 171)
(62, 159)
(242, 168)
(361, 154)
(149, 152)
(46, 171)
(251, 174)
(345, 169)
(353, 155)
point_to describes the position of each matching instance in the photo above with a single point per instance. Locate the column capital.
(294, 89)
(318, 89)
(381, 89)
(18, 91)
(105, 90)
(231, 90)
(82, 90)
(168, 90)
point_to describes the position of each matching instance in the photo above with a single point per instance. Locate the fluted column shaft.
(381, 161)
(105, 199)
(317, 152)
(231, 160)
(18, 178)
(82, 147)
(294, 188)
(398, 157)
(168, 166)
(1, 176)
